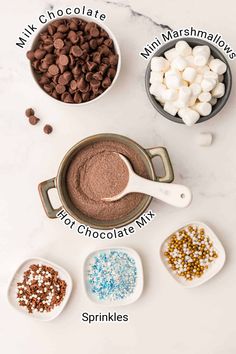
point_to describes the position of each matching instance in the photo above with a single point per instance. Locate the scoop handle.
(174, 194)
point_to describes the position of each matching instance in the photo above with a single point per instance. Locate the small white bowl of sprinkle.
(192, 254)
(40, 289)
(113, 276)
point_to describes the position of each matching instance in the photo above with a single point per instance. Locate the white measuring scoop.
(170, 193)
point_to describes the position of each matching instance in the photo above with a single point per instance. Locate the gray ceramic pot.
(59, 182)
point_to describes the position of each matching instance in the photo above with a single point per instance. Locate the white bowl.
(18, 276)
(214, 267)
(139, 284)
(116, 46)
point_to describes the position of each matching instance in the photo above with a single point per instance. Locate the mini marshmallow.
(156, 76)
(189, 116)
(196, 89)
(190, 61)
(198, 79)
(189, 74)
(201, 59)
(210, 75)
(204, 97)
(169, 95)
(156, 88)
(201, 49)
(201, 55)
(170, 108)
(159, 64)
(208, 84)
(204, 139)
(179, 63)
(203, 69)
(183, 48)
(204, 108)
(218, 66)
(219, 90)
(171, 54)
(173, 79)
(183, 98)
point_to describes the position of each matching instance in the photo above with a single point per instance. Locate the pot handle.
(163, 154)
(43, 192)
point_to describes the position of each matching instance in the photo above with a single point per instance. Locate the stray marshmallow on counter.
(204, 139)
(187, 81)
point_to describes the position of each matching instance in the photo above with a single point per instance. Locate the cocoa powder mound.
(96, 172)
(104, 175)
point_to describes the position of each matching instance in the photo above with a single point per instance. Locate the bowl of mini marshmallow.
(188, 81)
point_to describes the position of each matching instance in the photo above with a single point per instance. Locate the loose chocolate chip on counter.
(74, 60)
(33, 120)
(47, 129)
(29, 112)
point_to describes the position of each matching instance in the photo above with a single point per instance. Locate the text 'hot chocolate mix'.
(96, 172)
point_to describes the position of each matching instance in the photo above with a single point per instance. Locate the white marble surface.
(167, 319)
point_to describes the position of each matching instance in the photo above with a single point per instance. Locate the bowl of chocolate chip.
(91, 171)
(74, 60)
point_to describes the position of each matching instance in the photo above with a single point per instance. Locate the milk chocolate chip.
(29, 112)
(33, 120)
(47, 129)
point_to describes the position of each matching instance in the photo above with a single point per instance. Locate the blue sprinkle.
(112, 275)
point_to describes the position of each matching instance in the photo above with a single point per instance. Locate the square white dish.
(18, 276)
(139, 282)
(214, 267)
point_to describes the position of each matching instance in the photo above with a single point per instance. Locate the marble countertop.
(167, 319)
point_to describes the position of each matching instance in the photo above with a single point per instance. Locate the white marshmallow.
(173, 79)
(171, 54)
(203, 69)
(183, 97)
(198, 79)
(189, 116)
(218, 66)
(192, 101)
(204, 97)
(219, 90)
(190, 61)
(169, 95)
(201, 49)
(159, 64)
(157, 88)
(170, 108)
(210, 75)
(208, 84)
(189, 74)
(201, 55)
(196, 89)
(201, 59)
(203, 108)
(156, 76)
(183, 48)
(204, 139)
(179, 63)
